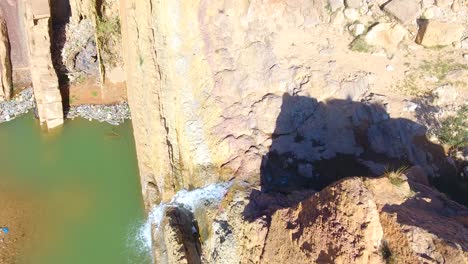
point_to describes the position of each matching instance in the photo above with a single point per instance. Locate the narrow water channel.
(71, 196)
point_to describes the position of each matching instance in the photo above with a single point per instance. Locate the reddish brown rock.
(390, 219)
(5, 62)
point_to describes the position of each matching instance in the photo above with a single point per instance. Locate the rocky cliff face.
(291, 96)
(37, 22)
(219, 88)
(287, 97)
(381, 220)
(395, 218)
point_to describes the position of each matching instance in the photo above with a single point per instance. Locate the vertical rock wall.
(101, 18)
(157, 155)
(5, 63)
(217, 87)
(45, 82)
(201, 76)
(15, 49)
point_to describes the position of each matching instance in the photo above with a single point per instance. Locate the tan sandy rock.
(404, 11)
(44, 78)
(386, 35)
(5, 62)
(433, 33)
(352, 221)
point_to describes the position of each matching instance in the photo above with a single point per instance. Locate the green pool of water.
(84, 179)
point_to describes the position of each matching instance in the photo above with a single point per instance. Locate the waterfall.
(191, 200)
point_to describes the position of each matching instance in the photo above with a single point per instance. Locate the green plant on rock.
(108, 36)
(79, 79)
(386, 253)
(453, 130)
(414, 84)
(360, 45)
(396, 177)
(440, 68)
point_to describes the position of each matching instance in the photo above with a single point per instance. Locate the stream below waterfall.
(72, 196)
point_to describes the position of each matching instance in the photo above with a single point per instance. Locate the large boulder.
(177, 238)
(386, 35)
(434, 33)
(403, 10)
(335, 5)
(396, 218)
(338, 225)
(353, 3)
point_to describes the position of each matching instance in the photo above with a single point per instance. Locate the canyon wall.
(223, 89)
(205, 84)
(15, 44)
(285, 96)
(37, 23)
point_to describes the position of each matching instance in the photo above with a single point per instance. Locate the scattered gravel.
(21, 104)
(112, 114)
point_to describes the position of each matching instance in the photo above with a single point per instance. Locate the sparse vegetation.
(141, 60)
(108, 35)
(440, 68)
(79, 79)
(396, 176)
(72, 99)
(438, 47)
(409, 86)
(386, 253)
(94, 93)
(360, 45)
(454, 130)
(413, 84)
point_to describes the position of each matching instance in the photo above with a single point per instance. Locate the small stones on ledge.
(113, 114)
(17, 106)
(22, 103)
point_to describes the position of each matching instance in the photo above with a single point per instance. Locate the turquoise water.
(84, 179)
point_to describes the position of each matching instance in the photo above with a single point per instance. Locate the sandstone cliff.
(395, 218)
(45, 82)
(288, 97)
(214, 86)
(292, 96)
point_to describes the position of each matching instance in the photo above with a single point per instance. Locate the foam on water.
(191, 200)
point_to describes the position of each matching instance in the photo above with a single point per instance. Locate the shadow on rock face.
(317, 143)
(433, 212)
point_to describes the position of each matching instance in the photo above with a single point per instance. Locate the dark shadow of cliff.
(317, 143)
(60, 14)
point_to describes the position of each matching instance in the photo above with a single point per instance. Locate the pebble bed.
(112, 114)
(24, 102)
(18, 106)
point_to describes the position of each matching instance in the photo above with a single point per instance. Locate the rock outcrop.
(5, 63)
(17, 52)
(273, 93)
(405, 11)
(390, 219)
(435, 33)
(178, 241)
(288, 97)
(45, 82)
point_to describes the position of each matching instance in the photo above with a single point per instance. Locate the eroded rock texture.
(274, 93)
(216, 71)
(215, 86)
(45, 82)
(5, 63)
(355, 220)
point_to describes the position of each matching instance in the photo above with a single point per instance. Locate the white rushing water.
(191, 200)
